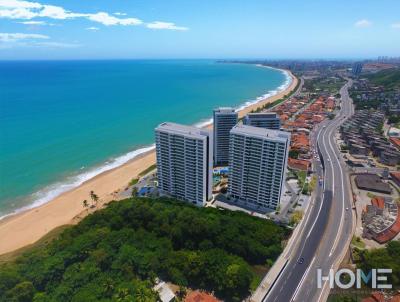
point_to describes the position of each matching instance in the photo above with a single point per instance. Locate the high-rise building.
(257, 164)
(267, 120)
(357, 68)
(184, 162)
(224, 120)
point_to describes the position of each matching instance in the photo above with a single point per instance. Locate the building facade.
(224, 119)
(268, 120)
(257, 164)
(184, 162)
(357, 68)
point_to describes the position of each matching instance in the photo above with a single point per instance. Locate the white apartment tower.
(224, 119)
(257, 164)
(267, 120)
(184, 162)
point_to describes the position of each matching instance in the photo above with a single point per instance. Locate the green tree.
(134, 191)
(123, 295)
(85, 204)
(294, 153)
(22, 292)
(182, 292)
(109, 287)
(94, 198)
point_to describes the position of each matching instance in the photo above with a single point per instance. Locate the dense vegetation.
(116, 253)
(384, 258)
(389, 78)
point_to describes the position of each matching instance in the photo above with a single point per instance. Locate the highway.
(328, 225)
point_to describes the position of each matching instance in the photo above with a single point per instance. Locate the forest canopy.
(116, 253)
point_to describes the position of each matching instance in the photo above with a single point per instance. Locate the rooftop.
(372, 182)
(262, 115)
(198, 296)
(190, 131)
(277, 135)
(224, 110)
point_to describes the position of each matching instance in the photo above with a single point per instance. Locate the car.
(301, 260)
(347, 209)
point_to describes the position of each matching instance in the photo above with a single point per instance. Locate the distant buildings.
(184, 162)
(357, 68)
(267, 120)
(257, 163)
(224, 120)
(381, 219)
(361, 134)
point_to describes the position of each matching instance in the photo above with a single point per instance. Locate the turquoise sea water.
(63, 122)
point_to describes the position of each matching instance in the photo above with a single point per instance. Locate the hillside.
(116, 253)
(389, 78)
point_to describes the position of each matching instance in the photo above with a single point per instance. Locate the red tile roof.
(375, 297)
(392, 232)
(378, 202)
(298, 164)
(198, 296)
(395, 141)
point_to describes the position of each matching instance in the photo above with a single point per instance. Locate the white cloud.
(56, 45)
(165, 25)
(33, 22)
(15, 37)
(106, 19)
(17, 13)
(57, 12)
(11, 40)
(363, 23)
(92, 28)
(396, 25)
(26, 10)
(19, 4)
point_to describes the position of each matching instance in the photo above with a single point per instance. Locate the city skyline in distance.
(158, 30)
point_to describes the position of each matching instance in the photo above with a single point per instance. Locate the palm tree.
(94, 198)
(123, 295)
(85, 204)
(140, 295)
(182, 292)
(108, 287)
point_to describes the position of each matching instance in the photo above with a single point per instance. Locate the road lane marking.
(333, 181)
(302, 280)
(343, 202)
(322, 291)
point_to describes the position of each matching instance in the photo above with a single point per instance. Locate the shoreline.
(33, 222)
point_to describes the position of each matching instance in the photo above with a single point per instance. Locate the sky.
(161, 29)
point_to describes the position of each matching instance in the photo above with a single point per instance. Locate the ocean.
(64, 122)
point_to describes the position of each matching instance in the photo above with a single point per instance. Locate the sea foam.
(50, 192)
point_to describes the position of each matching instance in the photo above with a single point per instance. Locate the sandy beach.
(27, 227)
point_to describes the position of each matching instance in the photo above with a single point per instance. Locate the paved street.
(328, 224)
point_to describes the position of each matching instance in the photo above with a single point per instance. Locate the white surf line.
(302, 280)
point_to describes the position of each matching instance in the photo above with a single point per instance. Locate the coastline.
(28, 226)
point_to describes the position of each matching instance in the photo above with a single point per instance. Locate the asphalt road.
(328, 224)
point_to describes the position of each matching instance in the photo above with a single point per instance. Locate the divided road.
(328, 225)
